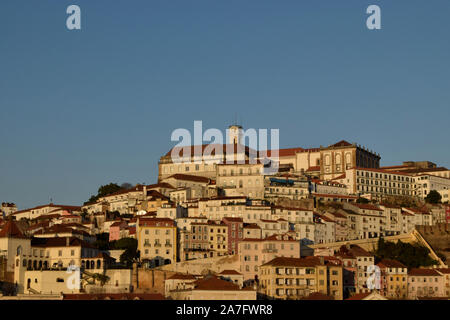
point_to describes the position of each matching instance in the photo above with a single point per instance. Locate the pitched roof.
(11, 230)
(215, 283)
(423, 272)
(189, 177)
(230, 272)
(366, 206)
(181, 276)
(341, 143)
(353, 252)
(390, 263)
(292, 262)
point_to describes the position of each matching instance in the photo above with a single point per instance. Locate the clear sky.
(83, 108)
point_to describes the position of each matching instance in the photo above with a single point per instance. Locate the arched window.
(327, 160)
(19, 250)
(24, 263)
(99, 264)
(338, 159)
(348, 159)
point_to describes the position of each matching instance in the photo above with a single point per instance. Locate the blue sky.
(83, 108)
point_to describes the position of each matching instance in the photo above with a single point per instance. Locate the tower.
(235, 134)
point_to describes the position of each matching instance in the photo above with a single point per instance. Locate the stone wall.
(438, 237)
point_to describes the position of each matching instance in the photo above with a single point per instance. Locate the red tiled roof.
(214, 283)
(317, 296)
(341, 143)
(230, 272)
(113, 296)
(444, 270)
(359, 296)
(423, 272)
(292, 262)
(366, 206)
(287, 152)
(11, 230)
(181, 276)
(156, 222)
(390, 263)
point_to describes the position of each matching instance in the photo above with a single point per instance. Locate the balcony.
(269, 250)
(147, 244)
(157, 245)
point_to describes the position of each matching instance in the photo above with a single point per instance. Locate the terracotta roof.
(156, 222)
(366, 206)
(230, 272)
(180, 276)
(160, 185)
(402, 173)
(341, 143)
(251, 226)
(390, 263)
(113, 296)
(214, 283)
(51, 205)
(11, 230)
(444, 270)
(353, 252)
(292, 262)
(314, 168)
(359, 296)
(287, 152)
(232, 219)
(423, 272)
(317, 296)
(324, 195)
(59, 242)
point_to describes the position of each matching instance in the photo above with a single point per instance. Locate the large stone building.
(324, 162)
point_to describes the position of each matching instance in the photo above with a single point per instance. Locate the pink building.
(117, 230)
(255, 252)
(425, 283)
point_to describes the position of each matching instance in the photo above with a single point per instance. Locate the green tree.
(131, 253)
(105, 190)
(411, 255)
(362, 200)
(433, 197)
(102, 278)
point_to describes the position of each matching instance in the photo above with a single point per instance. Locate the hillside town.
(330, 224)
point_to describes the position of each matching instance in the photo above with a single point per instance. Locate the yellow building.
(394, 279)
(218, 237)
(157, 240)
(295, 278)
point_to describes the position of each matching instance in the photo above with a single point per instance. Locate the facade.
(255, 252)
(394, 279)
(157, 240)
(425, 283)
(295, 278)
(379, 183)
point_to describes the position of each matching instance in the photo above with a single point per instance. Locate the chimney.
(322, 260)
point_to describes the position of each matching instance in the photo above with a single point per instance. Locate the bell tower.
(235, 134)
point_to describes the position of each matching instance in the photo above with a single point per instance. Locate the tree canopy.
(411, 255)
(433, 197)
(130, 246)
(105, 190)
